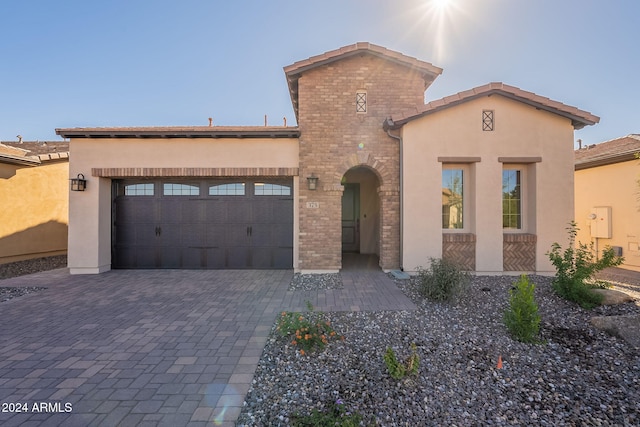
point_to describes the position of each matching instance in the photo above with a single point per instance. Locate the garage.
(234, 223)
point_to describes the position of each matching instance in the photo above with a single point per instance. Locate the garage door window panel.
(227, 189)
(268, 189)
(141, 189)
(173, 189)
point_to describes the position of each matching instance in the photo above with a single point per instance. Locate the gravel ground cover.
(310, 282)
(578, 376)
(7, 293)
(20, 268)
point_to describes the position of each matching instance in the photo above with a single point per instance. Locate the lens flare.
(439, 21)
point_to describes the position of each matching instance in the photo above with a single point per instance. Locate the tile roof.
(293, 71)
(33, 153)
(605, 153)
(579, 118)
(182, 132)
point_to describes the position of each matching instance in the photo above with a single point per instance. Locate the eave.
(579, 118)
(606, 160)
(22, 161)
(182, 132)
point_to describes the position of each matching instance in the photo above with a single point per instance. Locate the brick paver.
(151, 347)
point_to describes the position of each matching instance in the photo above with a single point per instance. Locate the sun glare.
(440, 4)
(439, 19)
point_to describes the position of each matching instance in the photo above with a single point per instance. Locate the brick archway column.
(389, 227)
(320, 237)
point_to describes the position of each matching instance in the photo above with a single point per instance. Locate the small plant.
(399, 370)
(522, 318)
(443, 281)
(336, 415)
(575, 268)
(308, 332)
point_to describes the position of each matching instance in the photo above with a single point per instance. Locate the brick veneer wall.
(519, 252)
(334, 138)
(461, 249)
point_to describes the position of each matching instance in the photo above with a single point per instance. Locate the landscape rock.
(613, 297)
(576, 374)
(626, 327)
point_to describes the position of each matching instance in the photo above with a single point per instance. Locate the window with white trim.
(453, 206)
(512, 199)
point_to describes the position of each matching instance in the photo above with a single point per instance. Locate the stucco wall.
(456, 132)
(34, 214)
(90, 211)
(615, 186)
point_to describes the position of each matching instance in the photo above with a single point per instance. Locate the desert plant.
(442, 281)
(335, 415)
(399, 370)
(308, 331)
(576, 266)
(522, 318)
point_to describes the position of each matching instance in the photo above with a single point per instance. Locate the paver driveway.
(158, 347)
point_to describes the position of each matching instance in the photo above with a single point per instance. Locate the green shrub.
(308, 331)
(335, 415)
(575, 268)
(443, 281)
(522, 318)
(399, 370)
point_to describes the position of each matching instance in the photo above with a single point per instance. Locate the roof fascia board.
(160, 133)
(603, 161)
(24, 161)
(577, 122)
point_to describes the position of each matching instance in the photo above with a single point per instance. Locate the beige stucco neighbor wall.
(615, 186)
(34, 213)
(540, 142)
(90, 211)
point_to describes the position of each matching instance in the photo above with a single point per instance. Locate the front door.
(351, 218)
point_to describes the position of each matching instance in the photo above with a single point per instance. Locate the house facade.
(369, 168)
(607, 197)
(34, 193)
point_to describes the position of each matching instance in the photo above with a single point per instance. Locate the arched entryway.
(360, 219)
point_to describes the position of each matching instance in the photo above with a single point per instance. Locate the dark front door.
(204, 224)
(351, 218)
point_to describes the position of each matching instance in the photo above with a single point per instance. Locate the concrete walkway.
(151, 347)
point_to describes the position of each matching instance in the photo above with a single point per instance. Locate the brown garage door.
(209, 224)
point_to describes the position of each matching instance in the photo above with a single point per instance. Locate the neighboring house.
(370, 168)
(607, 194)
(34, 192)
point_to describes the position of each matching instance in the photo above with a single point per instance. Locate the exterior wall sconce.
(78, 183)
(312, 181)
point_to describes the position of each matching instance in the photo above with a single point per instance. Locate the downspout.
(387, 126)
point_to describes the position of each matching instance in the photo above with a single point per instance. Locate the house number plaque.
(313, 205)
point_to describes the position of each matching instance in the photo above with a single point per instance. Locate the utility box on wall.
(601, 222)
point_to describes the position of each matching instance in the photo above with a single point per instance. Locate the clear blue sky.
(82, 63)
